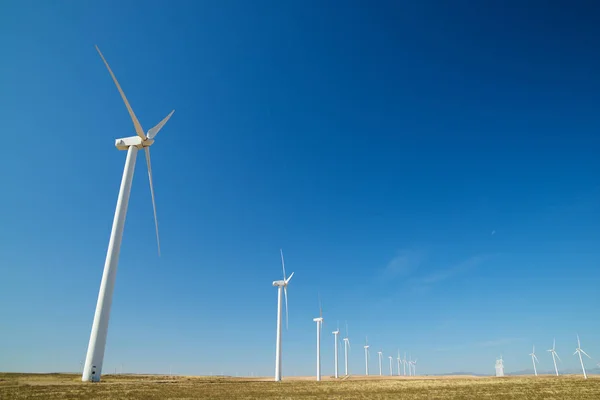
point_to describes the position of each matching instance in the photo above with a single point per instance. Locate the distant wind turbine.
(94, 359)
(404, 364)
(366, 346)
(335, 346)
(281, 286)
(319, 322)
(399, 362)
(554, 356)
(346, 349)
(533, 360)
(579, 350)
(391, 370)
(380, 353)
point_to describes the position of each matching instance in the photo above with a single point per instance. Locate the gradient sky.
(430, 168)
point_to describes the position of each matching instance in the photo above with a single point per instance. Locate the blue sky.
(431, 169)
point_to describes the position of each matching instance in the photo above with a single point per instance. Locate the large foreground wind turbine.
(95, 353)
(533, 360)
(554, 356)
(281, 286)
(346, 349)
(335, 352)
(366, 346)
(319, 322)
(579, 350)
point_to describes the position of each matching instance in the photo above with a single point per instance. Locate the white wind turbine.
(579, 350)
(404, 362)
(281, 286)
(554, 356)
(366, 346)
(346, 349)
(92, 369)
(399, 362)
(533, 360)
(319, 322)
(336, 343)
(379, 353)
(414, 367)
(391, 369)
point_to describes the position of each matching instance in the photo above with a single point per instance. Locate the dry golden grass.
(67, 386)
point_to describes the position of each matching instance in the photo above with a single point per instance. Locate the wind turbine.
(366, 346)
(414, 366)
(319, 322)
(399, 361)
(391, 370)
(346, 348)
(281, 286)
(533, 360)
(579, 350)
(336, 343)
(404, 364)
(380, 354)
(92, 369)
(554, 356)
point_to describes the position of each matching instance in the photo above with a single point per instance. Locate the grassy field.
(67, 386)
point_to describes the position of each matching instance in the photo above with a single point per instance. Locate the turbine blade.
(575, 352)
(289, 278)
(136, 124)
(152, 132)
(578, 343)
(554, 344)
(586, 354)
(286, 306)
(556, 354)
(149, 164)
(536, 359)
(282, 263)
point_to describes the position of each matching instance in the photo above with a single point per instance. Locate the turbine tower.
(554, 356)
(319, 322)
(380, 354)
(399, 361)
(391, 369)
(281, 286)
(414, 367)
(366, 346)
(404, 364)
(335, 351)
(533, 360)
(94, 359)
(579, 350)
(346, 348)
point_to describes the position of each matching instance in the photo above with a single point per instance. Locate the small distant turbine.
(554, 356)
(366, 346)
(346, 349)
(319, 322)
(399, 361)
(391, 370)
(380, 354)
(404, 364)
(534, 359)
(281, 287)
(579, 350)
(335, 346)
(414, 367)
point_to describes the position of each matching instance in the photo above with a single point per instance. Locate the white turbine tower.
(335, 352)
(533, 360)
(319, 322)
(281, 286)
(414, 367)
(391, 369)
(579, 350)
(380, 354)
(92, 369)
(399, 362)
(366, 346)
(346, 349)
(554, 356)
(404, 362)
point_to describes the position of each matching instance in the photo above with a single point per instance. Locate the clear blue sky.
(431, 168)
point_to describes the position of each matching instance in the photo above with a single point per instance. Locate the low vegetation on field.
(69, 386)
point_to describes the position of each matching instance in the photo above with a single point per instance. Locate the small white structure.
(500, 367)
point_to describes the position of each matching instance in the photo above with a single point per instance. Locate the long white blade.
(575, 352)
(586, 354)
(554, 345)
(152, 132)
(556, 354)
(286, 306)
(149, 164)
(282, 263)
(536, 359)
(136, 124)
(289, 278)
(578, 343)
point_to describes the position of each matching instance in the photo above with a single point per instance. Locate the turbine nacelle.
(279, 283)
(135, 141)
(320, 319)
